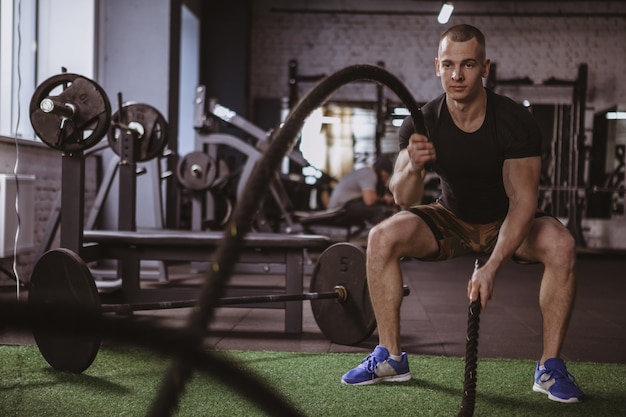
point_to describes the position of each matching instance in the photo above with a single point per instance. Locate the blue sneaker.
(378, 367)
(555, 380)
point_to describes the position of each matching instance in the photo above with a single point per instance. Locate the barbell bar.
(339, 293)
(49, 105)
(592, 189)
(66, 312)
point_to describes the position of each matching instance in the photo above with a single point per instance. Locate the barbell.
(196, 171)
(72, 113)
(148, 125)
(66, 312)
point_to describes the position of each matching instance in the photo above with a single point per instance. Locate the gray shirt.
(351, 186)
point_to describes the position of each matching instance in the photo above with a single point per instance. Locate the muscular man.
(486, 150)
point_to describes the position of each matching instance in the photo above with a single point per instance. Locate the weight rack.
(65, 304)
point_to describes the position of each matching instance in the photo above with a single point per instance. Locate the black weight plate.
(223, 210)
(223, 207)
(64, 308)
(148, 122)
(196, 171)
(353, 321)
(92, 113)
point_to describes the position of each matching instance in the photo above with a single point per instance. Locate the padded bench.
(269, 252)
(336, 217)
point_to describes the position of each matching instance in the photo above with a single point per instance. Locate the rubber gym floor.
(434, 314)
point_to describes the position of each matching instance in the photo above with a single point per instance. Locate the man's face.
(461, 67)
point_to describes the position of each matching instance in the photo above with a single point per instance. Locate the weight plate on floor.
(352, 321)
(150, 127)
(90, 107)
(64, 308)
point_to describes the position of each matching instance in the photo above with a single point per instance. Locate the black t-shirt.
(470, 164)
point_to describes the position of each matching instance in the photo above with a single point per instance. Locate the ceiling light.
(401, 111)
(444, 14)
(616, 115)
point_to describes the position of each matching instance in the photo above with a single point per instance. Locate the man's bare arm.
(407, 181)
(521, 181)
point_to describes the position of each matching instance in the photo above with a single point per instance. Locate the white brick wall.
(45, 164)
(537, 47)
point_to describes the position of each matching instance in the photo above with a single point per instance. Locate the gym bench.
(337, 218)
(262, 253)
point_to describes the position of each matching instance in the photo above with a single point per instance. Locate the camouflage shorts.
(454, 236)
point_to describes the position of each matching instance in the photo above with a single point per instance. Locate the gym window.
(38, 39)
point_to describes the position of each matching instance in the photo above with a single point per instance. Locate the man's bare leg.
(551, 244)
(403, 235)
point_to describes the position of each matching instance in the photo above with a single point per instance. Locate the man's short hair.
(463, 33)
(383, 164)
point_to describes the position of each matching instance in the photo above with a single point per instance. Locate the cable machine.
(565, 159)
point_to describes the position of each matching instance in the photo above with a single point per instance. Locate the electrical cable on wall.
(17, 150)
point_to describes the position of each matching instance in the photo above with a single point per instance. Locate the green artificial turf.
(123, 382)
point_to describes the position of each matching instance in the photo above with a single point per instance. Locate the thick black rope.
(173, 384)
(471, 360)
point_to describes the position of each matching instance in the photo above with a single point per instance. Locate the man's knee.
(559, 247)
(562, 240)
(392, 236)
(564, 251)
(401, 235)
(379, 239)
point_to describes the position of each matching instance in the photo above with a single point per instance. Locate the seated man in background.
(364, 194)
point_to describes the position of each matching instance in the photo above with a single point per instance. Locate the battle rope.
(471, 360)
(173, 383)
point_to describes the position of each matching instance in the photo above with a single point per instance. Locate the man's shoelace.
(560, 374)
(370, 362)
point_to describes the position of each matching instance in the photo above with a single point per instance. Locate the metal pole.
(339, 292)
